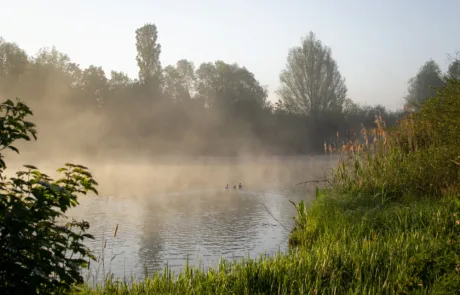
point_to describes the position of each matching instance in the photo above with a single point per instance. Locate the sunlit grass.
(419, 157)
(348, 245)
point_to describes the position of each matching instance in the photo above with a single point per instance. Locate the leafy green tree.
(148, 54)
(53, 78)
(38, 255)
(311, 82)
(13, 60)
(95, 85)
(119, 93)
(425, 84)
(119, 80)
(14, 64)
(52, 57)
(224, 85)
(179, 81)
(453, 71)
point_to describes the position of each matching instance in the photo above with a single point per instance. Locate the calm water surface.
(198, 224)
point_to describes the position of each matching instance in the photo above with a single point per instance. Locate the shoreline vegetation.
(389, 224)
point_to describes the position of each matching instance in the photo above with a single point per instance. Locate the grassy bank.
(390, 224)
(348, 245)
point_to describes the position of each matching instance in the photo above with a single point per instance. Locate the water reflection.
(198, 224)
(206, 227)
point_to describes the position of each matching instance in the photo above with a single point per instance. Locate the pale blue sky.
(378, 45)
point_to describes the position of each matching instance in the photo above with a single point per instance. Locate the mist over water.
(175, 209)
(170, 209)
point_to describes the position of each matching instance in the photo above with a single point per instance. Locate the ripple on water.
(201, 226)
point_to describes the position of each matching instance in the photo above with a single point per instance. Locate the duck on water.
(240, 186)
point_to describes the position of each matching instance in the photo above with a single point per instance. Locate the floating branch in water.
(314, 181)
(274, 217)
(324, 179)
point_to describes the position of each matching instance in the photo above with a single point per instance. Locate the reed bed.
(419, 157)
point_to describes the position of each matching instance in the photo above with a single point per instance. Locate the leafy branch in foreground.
(14, 127)
(37, 254)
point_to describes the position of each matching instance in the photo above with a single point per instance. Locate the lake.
(170, 211)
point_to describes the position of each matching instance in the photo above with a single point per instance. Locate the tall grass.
(350, 246)
(391, 224)
(417, 158)
(96, 271)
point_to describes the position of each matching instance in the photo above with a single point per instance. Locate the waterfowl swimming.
(234, 187)
(240, 186)
(226, 187)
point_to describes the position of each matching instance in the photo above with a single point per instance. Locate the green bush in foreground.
(37, 255)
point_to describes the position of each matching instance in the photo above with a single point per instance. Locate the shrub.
(37, 254)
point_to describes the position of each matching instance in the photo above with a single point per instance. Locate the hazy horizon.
(378, 46)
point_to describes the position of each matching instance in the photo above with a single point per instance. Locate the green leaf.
(94, 190)
(13, 149)
(31, 167)
(37, 173)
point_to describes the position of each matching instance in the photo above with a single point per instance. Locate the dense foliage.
(38, 254)
(215, 108)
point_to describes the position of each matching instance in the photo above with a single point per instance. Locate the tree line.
(215, 108)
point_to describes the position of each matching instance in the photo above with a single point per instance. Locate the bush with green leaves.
(39, 254)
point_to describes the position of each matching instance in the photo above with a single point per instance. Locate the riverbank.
(389, 225)
(349, 244)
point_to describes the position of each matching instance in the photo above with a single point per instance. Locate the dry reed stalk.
(364, 133)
